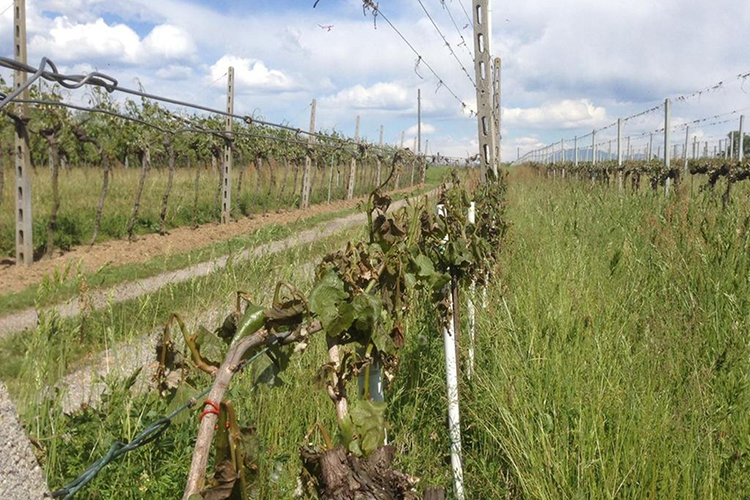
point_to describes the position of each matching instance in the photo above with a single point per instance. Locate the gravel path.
(99, 299)
(21, 477)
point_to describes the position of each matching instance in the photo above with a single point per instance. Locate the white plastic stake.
(451, 378)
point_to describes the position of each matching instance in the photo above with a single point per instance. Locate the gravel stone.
(21, 477)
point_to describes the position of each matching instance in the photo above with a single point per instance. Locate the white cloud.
(70, 41)
(97, 41)
(250, 74)
(382, 96)
(175, 72)
(564, 114)
(426, 129)
(169, 42)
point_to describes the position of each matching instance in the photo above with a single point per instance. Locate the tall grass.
(614, 358)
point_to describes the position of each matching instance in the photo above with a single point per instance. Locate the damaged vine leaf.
(328, 301)
(363, 429)
(184, 393)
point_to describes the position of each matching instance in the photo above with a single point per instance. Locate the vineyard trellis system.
(360, 300)
(61, 133)
(633, 171)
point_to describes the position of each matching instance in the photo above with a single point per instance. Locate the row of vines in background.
(411, 259)
(162, 169)
(654, 172)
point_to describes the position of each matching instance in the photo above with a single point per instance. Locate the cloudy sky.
(568, 65)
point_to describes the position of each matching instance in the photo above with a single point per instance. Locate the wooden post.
(496, 88)
(226, 185)
(667, 134)
(24, 227)
(307, 174)
(353, 168)
(482, 67)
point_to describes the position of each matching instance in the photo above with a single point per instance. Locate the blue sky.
(568, 66)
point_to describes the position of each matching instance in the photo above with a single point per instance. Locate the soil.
(99, 298)
(118, 252)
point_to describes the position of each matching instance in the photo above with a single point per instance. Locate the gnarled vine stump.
(340, 475)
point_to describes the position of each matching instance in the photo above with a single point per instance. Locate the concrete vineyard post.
(741, 148)
(593, 147)
(226, 185)
(418, 149)
(353, 168)
(22, 156)
(482, 67)
(378, 164)
(619, 155)
(650, 146)
(470, 303)
(609, 149)
(451, 378)
(667, 139)
(562, 156)
(630, 151)
(496, 108)
(307, 174)
(575, 148)
(687, 141)
(695, 147)
(402, 139)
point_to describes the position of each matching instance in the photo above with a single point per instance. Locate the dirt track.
(119, 252)
(99, 298)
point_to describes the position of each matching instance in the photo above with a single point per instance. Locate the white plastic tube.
(451, 378)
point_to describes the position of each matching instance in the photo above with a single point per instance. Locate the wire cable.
(447, 43)
(458, 30)
(369, 4)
